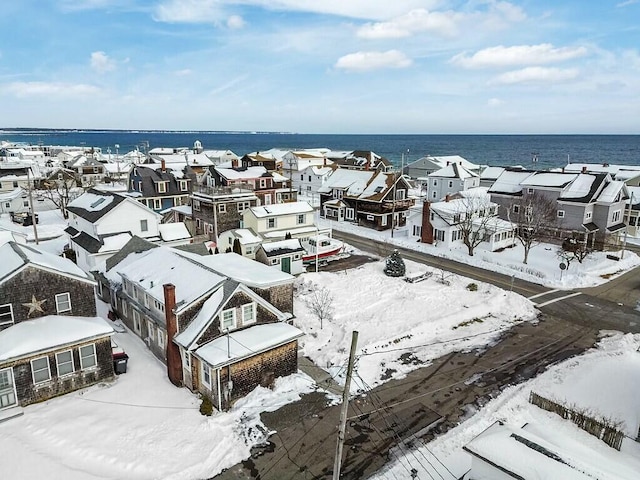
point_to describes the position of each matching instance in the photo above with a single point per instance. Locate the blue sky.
(322, 66)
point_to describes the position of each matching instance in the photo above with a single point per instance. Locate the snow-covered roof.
(278, 209)
(91, 202)
(199, 323)
(611, 191)
(535, 451)
(353, 181)
(246, 236)
(289, 244)
(462, 205)
(491, 173)
(509, 182)
(15, 256)
(548, 179)
(114, 243)
(173, 231)
(6, 196)
(453, 170)
(580, 187)
(474, 192)
(248, 173)
(155, 267)
(245, 343)
(48, 333)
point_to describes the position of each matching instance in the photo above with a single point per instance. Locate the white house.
(450, 180)
(100, 223)
(15, 201)
(249, 241)
(274, 222)
(285, 255)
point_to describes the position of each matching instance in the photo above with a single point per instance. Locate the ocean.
(531, 151)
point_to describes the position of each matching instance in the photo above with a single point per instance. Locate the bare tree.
(472, 217)
(320, 303)
(61, 191)
(534, 214)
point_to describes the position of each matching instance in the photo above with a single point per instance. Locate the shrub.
(472, 287)
(206, 407)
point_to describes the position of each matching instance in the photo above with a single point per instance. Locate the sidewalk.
(321, 377)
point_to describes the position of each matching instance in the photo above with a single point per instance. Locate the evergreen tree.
(395, 265)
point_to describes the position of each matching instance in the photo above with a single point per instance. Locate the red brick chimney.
(163, 166)
(174, 361)
(427, 228)
(447, 197)
(584, 169)
(234, 163)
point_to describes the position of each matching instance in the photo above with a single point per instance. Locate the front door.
(285, 262)
(7, 389)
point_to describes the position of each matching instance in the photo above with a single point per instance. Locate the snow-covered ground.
(542, 266)
(142, 427)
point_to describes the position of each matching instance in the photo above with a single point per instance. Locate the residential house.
(428, 164)
(100, 223)
(220, 157)
(270, 160)
(375, 199)
(160, 188)
(247, 240)
(88, 170)
(360, 160)
(281, 221)
(449, 180)
(187, 306)
(51, 341)
(285, 255)
(16, 201)
(590, 207)
(216, 210)
(447, 223)
(256, 178)
(18, 175)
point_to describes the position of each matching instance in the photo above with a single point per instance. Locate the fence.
(598, 428)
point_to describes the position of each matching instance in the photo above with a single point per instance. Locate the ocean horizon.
(539, 151)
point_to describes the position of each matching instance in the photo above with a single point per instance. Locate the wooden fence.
(598, 428)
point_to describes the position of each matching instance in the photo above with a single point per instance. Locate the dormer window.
(184, 185)
(162, 187)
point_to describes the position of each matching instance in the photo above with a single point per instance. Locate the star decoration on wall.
(34, 305)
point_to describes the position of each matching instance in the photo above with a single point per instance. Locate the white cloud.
(45, 89)
(444, 23)
(416, 21)
(235, 22)
(101, 62)
(495, 102)
(190, 11)
(502, 56)
(536, 75)
(626, 3)
(183, 73)
(363, 61)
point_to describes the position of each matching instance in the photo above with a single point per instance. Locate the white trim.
(73, 367)
(4, 322)
(33, 377)
(13, 385)
(58, 302)
(204, 367)
(233, 313)
(95, 357)
(253, 318)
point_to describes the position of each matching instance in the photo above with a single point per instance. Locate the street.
(433, 399)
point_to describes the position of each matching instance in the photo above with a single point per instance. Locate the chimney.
(234, 163)
(163, 166)
(427, 228)
(324, 162)
(584, 169)
(447, 197)
(174, 361)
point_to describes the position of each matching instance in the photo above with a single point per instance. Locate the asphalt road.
(391, 419)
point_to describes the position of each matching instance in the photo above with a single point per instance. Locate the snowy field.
(142, 427)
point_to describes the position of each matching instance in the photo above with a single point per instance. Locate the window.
(438, 234)
(560, 213)
(616, 216)
(400, 194)
(160, 338)
(64, 363)
(433, 195)
(242, 206)
(157, 204)
(263, 183)
(88, 356)
(529, 191)
(206, 374)
(222, 208)
(275, 261)
(301, 178)
(183, 185)
(144, 225)
(450, 183)
(417, 230)
(162, 187)
(63, 302)
(350, 214)
(6, 314)
(196, 205)
(301, 219)
(150, 332)
(186, 359)
(40, 370)
(248, 313)
(228, 319)
(435, 183)
(271, 223)
(588, 216)
(136, 321)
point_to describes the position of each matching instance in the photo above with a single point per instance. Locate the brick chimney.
(163, 166)
(234, 163)
(584, 169)
(427, 228)
(174, 361)
(447, 197)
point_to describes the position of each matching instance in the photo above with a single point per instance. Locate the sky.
(335, 66)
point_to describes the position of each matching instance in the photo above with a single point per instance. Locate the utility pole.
(337, 464)
(32, 207)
